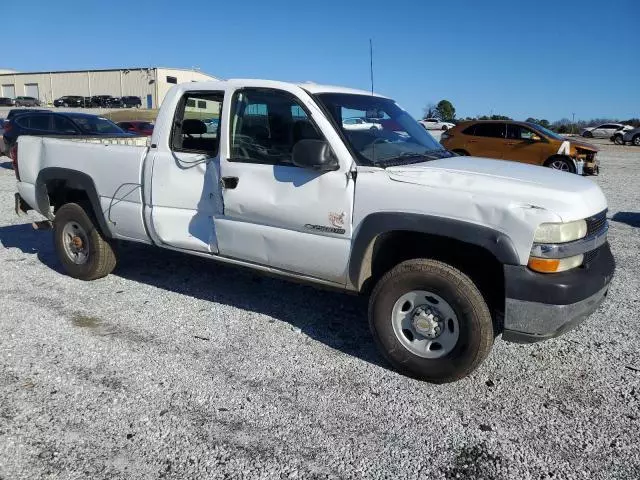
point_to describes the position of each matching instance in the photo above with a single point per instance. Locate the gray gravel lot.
(173, 367)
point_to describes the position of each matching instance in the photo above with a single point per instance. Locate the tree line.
(445, 111)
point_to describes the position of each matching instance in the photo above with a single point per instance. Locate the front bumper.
(542, 306)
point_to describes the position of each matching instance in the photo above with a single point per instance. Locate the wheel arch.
(56, 186)
(378, 229)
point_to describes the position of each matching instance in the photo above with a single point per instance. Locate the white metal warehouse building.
(151, 84)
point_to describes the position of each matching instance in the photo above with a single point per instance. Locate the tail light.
(7, 126)
(13, 155)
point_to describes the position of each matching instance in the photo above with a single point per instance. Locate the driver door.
(277, 214)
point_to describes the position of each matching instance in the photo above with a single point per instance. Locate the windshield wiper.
(403, 157)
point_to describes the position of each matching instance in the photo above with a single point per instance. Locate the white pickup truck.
(453, 251)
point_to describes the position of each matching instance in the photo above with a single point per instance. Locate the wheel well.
(60, 193)
(389, 249)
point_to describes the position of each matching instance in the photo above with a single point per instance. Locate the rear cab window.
(193, 130)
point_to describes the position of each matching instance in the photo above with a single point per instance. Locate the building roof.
(13, 72)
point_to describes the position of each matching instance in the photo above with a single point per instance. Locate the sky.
(541, 59)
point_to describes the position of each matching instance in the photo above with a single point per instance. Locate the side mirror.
(314, 155)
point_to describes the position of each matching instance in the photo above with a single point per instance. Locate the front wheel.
(587, 134)
(561, 164)
(636, 140)
(618, 140)
(444, 127)
(83, 251)
(430, 321)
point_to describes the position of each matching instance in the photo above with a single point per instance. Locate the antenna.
(371, 63)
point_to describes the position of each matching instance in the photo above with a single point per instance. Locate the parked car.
(105, 101)
(87, 102)
(7, 102)
(139, 128)
(360, 124)
(26, 102)
(522, 142)
(47, 123)
(131, 102)
(606, 130)
(212, 125)
(452, 251)
(632, 137)
(69, 101)
(435, 124)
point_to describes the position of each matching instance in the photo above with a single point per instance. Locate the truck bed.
(114, 165)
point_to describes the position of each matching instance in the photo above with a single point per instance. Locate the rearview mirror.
(314, 155)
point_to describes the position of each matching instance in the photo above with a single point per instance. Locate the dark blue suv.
(47, 123)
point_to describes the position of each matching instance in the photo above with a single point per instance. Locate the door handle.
(473, 141)
(229, 182)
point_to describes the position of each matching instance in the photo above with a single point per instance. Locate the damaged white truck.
(453, 251)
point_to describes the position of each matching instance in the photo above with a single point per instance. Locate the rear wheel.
(430, 321)
(83, 251)
(562, 164)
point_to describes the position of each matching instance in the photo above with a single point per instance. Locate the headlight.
(560, 232)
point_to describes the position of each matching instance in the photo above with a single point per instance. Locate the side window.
(470, 130)
(518, 132)
(172, 79)
(38, 122)
(266, 124)
(190, 132)
(495, 130)
(63, 125)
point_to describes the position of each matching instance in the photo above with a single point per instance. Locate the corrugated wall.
(182, 76)
(139, 83)
(73, 83)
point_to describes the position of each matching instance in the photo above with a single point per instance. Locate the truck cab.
(452, 251)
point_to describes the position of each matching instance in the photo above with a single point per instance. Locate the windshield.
(546, 131)
(96, 125)
(379, 131)
(145, 126)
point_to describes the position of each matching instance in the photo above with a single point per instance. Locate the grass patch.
(131, 115)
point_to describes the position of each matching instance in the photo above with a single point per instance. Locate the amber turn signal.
(554, 265)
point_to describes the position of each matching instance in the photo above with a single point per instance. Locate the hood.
(570, 196)
(583, 145)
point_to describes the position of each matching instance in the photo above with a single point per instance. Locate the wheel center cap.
(77, 242)
(427, 322)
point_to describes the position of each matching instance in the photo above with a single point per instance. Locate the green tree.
(446, 111)
(430, 111)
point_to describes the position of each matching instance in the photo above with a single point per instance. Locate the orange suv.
(522, 142)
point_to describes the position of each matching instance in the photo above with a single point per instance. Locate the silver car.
(632, 136)
(606, 130)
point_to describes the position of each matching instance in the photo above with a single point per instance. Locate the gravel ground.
(173, 367)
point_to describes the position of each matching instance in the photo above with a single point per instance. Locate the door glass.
(496, 130)
(518, 132)
(196, 125)
(266, 126)
(63, 125)
(39, 122)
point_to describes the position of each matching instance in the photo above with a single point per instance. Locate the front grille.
(596, 223)
(590, 256)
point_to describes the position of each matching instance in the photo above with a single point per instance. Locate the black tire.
(617, 139)
(636, 140)
(587, 134)
(444, 127)
(101, 259)
(561, 163)
(476, 332)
